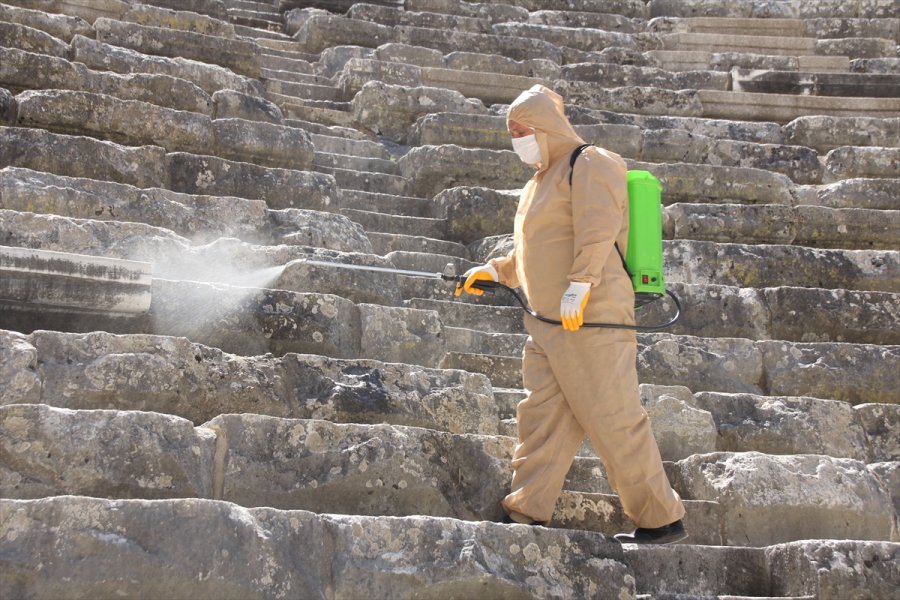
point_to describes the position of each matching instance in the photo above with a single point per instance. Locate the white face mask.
(527, 148)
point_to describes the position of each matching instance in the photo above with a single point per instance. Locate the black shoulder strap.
(575, 154)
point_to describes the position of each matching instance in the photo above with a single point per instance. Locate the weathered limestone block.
(182, 19)
(885, 65)
(200, 218)
(516, 48)
(490, 63)
(263, 143)
(213, 8)
(819, 226)
(714, 311)
(591, 20)
(878, 194)
(239, 55)
(89, 10)
(572, 37)
(785, 425)
(743, 131)
(142, 166)
(855, 373)
(52, 451)
(103, 371)
(827, 133)
(504, 371)
(497, 13)
(362, 287)
(852, 161)
(611, 75)
(758, 267)
(633, 99)
(158, 548)
(393, 16)
(680, 426)
(280, 188)
(391, 110)
(24, 70)
(809, 315)
(250, 320)
(467, 130)
(431, 169)
(889, 473)
(127, 122)
(359, 71)
(412, 55)
(361, 469)
(63, 27)
(834, 569)
(856, 47)
(320, 31)
(7, 107)
(208, 77)
(476, 213)
(18, 360)
(881, 422)
(28, 39)
(771, 499)
(230, 104)
(671, 145)
(701, 364)
(332, 59)
(403, 335)
(318, 229)
(761, 223)
(684, 182)
(296, 17)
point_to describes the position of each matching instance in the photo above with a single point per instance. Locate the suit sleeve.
(506, 269)
(599, 193)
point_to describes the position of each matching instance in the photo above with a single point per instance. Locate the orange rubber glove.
(487, 272)
(571, 307)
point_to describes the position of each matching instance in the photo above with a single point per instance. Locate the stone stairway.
(368, 419)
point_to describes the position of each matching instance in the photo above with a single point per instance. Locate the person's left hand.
(571, 307)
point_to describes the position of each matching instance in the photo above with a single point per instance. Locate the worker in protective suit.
(579, 380)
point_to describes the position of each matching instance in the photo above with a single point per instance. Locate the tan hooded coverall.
(581, 382)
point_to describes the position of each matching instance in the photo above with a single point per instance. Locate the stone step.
(350, 147)
(615, 22)
(63, 27)
(752, 9)
(261, 7)
(770, 368)
(396, 16)
(45, 366)
(386, 203)
(319, 32)
(361, 165)
(255, 19)
(495, 12)
(578, 38)
(318, 111)
(393, 470)
(211, 382)
(258, 34)
(202, 219)
(817, 84)
(180, 17)
(272, 62)
(382, 183)
(784, 107)
(211, 78)
(698, 60)
(109, 118)
(776, 45)
(41, 73)
(819, 28)
(177, 171)
(239, 55)
(327, 130)
(303, 90)
(350, 556)
(385, 243)
(301, 73)
(387, 223)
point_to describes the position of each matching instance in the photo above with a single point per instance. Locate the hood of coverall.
(543, 110)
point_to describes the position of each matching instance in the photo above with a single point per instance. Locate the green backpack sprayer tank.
(644, 257)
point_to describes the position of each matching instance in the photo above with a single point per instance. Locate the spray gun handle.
(481, 284)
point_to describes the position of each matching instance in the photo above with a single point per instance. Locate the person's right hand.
(487, 272)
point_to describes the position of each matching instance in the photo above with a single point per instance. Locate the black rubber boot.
(674, 532)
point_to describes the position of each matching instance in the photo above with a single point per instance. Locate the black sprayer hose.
(489, 286)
